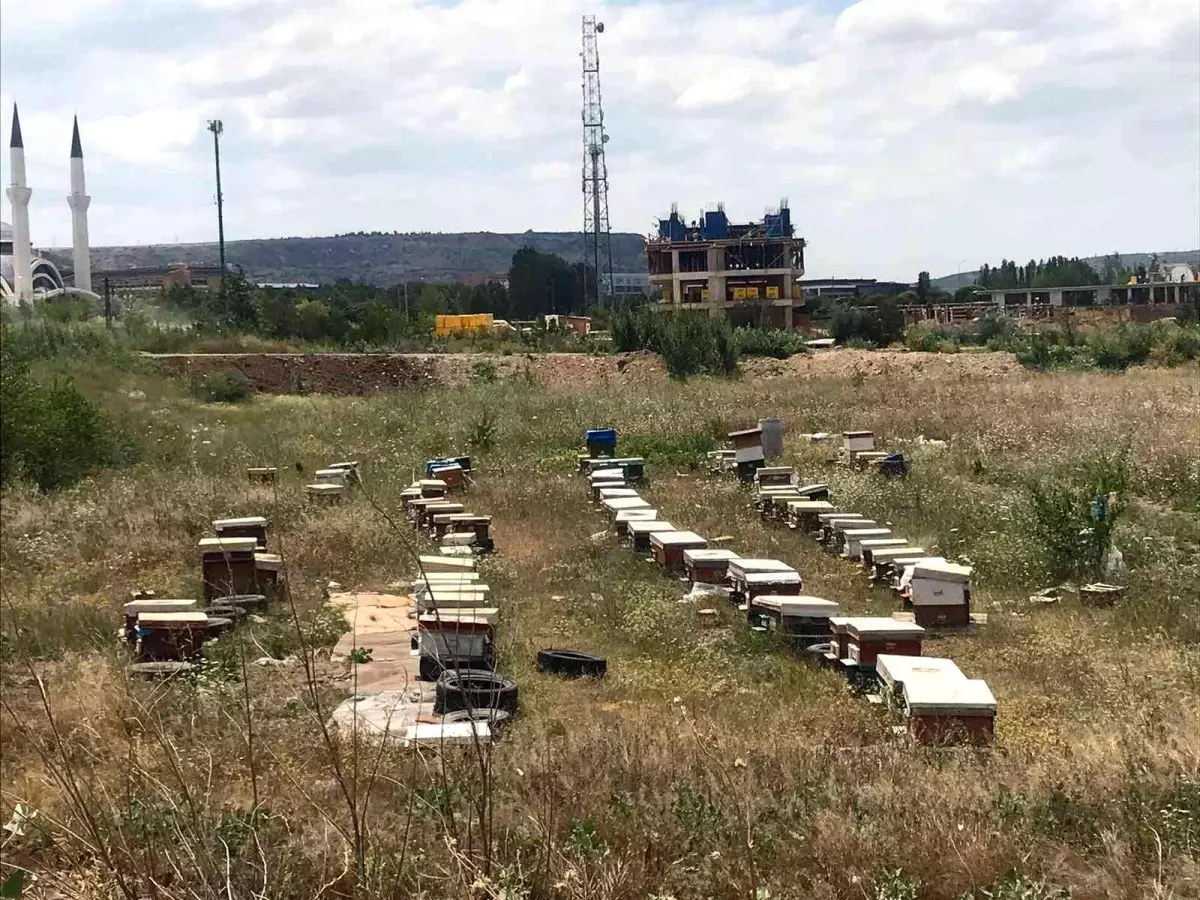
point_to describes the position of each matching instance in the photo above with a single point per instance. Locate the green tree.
(312, 319)
(923, 284)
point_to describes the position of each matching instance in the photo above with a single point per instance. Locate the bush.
(221, 387)
(52, 434)
(996, 326)
(930, 339)
(879, 327)
(689, 344)
(1071, 516)
(1121, 346)
(772, 342)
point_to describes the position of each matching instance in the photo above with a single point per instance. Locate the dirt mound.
(846, 363)
(366, 373)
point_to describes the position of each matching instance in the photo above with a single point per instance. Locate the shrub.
(772, 342)
(930, 339)
(880, 326)
(1072, 518)
(221, 387)
(996, 326)
(689, 344)
(1121, 346)
(52, 434)
(484, 372)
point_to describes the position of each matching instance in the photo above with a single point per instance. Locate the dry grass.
(707, 764)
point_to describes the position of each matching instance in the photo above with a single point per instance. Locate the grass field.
(708, 763)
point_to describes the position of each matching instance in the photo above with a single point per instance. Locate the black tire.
(571, 663)
(474, 688)
(216, 627)
(221, 611)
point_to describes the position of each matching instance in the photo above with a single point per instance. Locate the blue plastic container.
(601, 441)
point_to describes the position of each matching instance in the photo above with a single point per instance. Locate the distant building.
(160, 278)
(742, 272)
(478, 279)
(851, 287)
(630, 284)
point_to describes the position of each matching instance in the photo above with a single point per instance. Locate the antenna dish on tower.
(600, 28)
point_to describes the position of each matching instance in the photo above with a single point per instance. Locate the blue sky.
(907, 134)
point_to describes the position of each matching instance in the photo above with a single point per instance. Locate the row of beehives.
(937, 705)
(750, 451)
(330, 485)
(239, 577)
(937, 591)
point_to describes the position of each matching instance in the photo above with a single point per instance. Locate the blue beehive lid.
(602, 434)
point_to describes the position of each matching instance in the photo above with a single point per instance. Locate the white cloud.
(909, 134)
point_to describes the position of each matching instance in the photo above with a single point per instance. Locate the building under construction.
(745, 273)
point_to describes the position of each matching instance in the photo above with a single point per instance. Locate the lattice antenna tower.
(596, 232)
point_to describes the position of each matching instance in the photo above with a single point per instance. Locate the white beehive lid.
(810, 506)
(897, 670)
(888, 554)
(634, 515)
(172, 619)
(677, 539)
(611, 493)
(268, 562)
(604, 474)
(883, 627)
(875, 544)
(826, 517)
(138, 607)
(789, 577)
(949, 697)
(794, 606)
(648, 526)
(942, 571)
(698, 556)
(858, 434)
(807, 489)
(459, 539)
(455, 550)
(742, 567)
(444, 506)
(468, 615)
(616, 504)
(325, 487)
(858, 524)
(773, 472)
(442, 564)
(244, 522)
(228, 544)
(430, 484)
(442, 577)
(434, 733)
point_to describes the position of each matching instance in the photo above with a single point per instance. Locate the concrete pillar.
(1056, 297)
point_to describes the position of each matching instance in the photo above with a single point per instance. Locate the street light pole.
(215, 126)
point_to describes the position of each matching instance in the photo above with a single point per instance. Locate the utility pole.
(107, 303)
(596, 232)
(215, 126)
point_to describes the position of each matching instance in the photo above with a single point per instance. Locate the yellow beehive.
(772, 292)
(739, 293)
(752, 292)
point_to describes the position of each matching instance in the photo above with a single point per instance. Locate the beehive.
(870, 636)
(668, 546)
(942, 711)
(640, 530)
(847, 541)
(227, 566)
(803, 620)
(940, 593)
(624, 517)
(616, 504)
(709, 565)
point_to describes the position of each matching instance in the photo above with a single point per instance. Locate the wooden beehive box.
(895, 671)
(640, 531)
(709, 565)
(940, 593)
(858, 441)
(868, 637)
(836, 528)
(667, 548)
(622, 519)
(950, 711)
(802, 514)
(825, 523)
(757, 584)
(804, 620)
(616, 504)
(246, 526)
(227, 566)
(431, 564)
(852, 538)
(873, 556)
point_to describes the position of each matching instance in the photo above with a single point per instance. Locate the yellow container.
(739, 293)
(703, 293)
(772, 292)
(752, 292)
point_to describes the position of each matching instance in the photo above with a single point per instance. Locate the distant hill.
(377, 258)
(1129, 260)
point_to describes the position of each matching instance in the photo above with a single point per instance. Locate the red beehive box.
(668, 547)
(868, 637)
(942, 711)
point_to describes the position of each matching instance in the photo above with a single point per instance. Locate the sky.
(906, 134)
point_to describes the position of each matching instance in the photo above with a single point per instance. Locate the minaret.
(79, 202)
(18, 196)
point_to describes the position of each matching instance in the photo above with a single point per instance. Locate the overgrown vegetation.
(690, 344)
(50, 433)
(221, 387)
(877, 327)
(710, 762)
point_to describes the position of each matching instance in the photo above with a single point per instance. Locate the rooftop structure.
(746, 273)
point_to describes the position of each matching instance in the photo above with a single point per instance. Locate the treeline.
(350, 313)
(1057, 271)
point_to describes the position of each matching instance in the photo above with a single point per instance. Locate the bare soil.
(367, 373)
